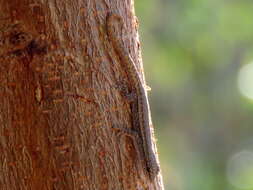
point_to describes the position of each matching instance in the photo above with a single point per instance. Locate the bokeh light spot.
(240, 170)
(245, 80)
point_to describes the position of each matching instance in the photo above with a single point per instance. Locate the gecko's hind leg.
(136, 143)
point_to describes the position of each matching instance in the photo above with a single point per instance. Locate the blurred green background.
(198, 57)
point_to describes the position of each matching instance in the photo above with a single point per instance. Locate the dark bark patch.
(36, 47)
(19, 38)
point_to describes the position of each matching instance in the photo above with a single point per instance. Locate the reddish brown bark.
(59, 97)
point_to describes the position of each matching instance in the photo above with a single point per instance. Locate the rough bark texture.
(59, 97)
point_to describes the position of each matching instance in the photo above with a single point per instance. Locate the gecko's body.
(141, 114)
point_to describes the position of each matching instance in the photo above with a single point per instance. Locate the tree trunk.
(61, 94)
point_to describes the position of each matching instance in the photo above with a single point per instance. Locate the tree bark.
(59, 97)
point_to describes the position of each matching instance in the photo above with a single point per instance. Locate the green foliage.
(193, 51)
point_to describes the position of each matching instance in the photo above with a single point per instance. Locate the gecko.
(141, 112)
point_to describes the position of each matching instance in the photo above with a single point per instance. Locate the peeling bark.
(59, 97)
